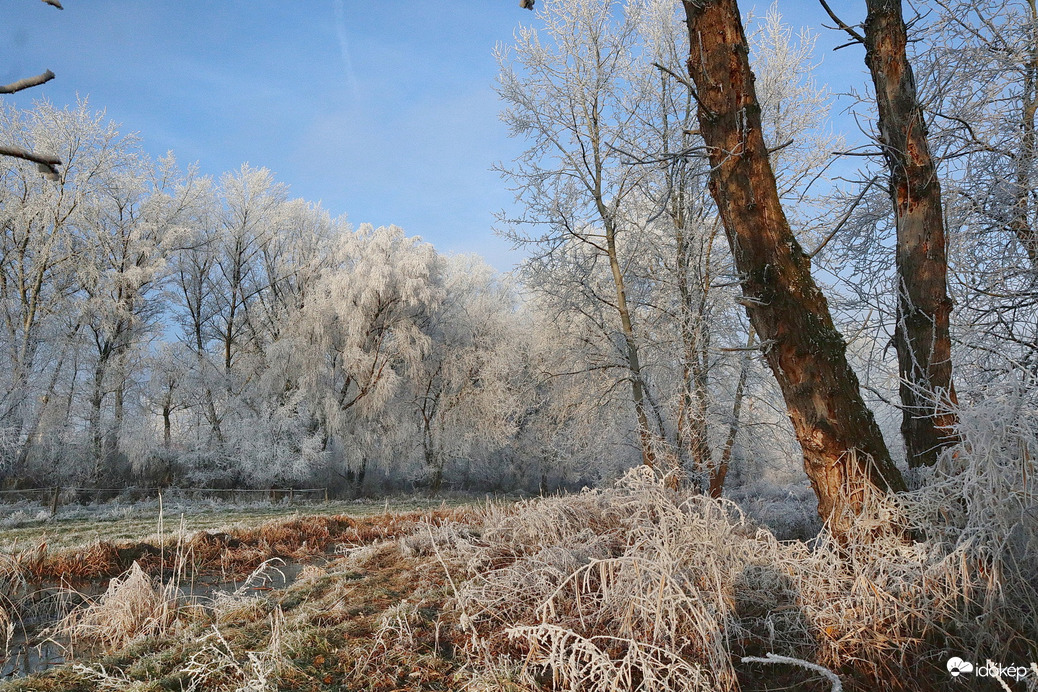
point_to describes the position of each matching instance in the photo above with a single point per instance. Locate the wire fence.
(60, 495)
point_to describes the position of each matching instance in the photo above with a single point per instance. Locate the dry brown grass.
(342, 618)
(135, 605)
(642, 588)
(97, 561)
(14, 588)
(232, 554)
(637, 588)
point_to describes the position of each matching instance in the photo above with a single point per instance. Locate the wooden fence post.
(54, 501)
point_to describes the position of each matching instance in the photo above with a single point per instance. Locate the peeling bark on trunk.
(843, 449)
(921, 337)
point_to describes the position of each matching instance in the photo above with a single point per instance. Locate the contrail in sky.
(344, 47)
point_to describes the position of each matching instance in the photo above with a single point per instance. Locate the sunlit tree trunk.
(843, 449)
(922, 335)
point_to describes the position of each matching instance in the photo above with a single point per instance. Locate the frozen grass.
(343, 621)
(642, 588)
(13, 587)
(135, 605)
(636, 587)
(27, 524)
(219, 668)
(789, 512)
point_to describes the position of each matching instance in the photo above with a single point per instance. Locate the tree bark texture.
(921, 336)
(843, 448)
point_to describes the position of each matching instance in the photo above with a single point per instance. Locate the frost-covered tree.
(979, 83)
(568, 91)
(131, 224)
(44, 231)
(462, 388)
(623, 233)
(350, 345)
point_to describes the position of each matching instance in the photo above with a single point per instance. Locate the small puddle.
(23, 658)
(29, 650)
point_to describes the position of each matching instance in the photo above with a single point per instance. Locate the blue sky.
(383, 110)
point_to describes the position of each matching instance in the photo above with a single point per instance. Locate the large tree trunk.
(843, 449)
(922, 337)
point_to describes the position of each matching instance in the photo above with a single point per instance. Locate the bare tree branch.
(19, 153)
(27, 83)
(858, 38)
(844, 219)
(46, 164)
(688, 85)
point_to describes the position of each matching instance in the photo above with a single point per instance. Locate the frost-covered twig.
(1002, 683)
(773, 658)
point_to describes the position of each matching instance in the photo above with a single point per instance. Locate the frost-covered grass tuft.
(135, 605)
(219, 667)
(624, 587)
(639, 587)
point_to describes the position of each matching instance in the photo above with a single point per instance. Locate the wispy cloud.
(344, 47)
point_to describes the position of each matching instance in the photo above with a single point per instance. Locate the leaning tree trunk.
(843, 449)
(922, 336)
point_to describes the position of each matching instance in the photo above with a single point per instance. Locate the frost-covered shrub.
(979, 507)
(641, 583)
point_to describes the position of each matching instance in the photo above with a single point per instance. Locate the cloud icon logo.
(957, 667)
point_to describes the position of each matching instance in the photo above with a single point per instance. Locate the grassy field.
(634, 588)
(339, 620)
(23, 527)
